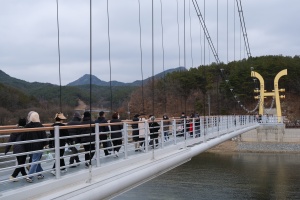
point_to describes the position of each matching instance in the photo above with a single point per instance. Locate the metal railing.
(171, 132)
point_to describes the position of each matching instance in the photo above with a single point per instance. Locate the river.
(226, 176)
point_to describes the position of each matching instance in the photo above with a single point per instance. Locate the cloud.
(29, 36)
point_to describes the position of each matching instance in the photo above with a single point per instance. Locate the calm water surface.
(226, 176)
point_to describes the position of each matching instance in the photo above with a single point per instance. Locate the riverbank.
(257, 147)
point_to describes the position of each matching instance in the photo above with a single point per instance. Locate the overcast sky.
(29, 36)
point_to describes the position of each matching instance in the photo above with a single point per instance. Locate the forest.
(215, 89)
(221, 89)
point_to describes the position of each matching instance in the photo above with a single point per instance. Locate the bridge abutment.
(272, 133)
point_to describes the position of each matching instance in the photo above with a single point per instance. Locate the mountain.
(21, 84)
(157, 76)
(85, 79)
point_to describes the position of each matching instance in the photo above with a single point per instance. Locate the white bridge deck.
(109, 176)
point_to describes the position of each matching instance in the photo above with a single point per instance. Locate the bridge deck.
(115, 175)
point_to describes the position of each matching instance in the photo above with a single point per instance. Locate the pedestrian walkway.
(116, 174)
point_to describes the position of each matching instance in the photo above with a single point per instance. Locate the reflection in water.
(226, 176)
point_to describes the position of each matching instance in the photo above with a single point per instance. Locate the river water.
(226, 176)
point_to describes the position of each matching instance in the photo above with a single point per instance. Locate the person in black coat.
(34, 122)
(17, 148)
(153, 129)
(136, 132)
(103, 129)
(166, 126)
(59, 118)
(90, 139)
(72, 132)
(116, 133)
(182, 117)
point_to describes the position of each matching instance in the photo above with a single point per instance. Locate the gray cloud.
(28, 36)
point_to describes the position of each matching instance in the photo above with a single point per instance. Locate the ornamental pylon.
(275, 93)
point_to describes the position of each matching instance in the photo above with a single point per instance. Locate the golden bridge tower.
(275, 93)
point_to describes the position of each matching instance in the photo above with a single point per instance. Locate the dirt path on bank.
(81, 105)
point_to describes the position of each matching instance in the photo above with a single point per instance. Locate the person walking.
(116, 133)
(136, 132)
(183, 119)
(17, 148)
(143, 132)
(166, 127)
(153, 128)
(34, 122)
(59, 119)
(103, 132)
(76, 120)
(89, 147)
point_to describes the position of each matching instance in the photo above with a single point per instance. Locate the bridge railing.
(266, 119)
(173, 132)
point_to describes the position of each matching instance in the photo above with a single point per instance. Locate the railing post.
(174, 130)
(184, 128)
(218, 123)
(194, 127)
(227, 130)
(146, 136)
(125, 134)
(97, 140)
(162, 133)
(204, 128)
(57, 151)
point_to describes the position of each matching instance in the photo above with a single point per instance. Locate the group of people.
(33, 121)
(138, 131)
(189, 128)
(35, 149)
(82, 136)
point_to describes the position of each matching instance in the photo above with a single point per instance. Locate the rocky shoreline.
(257, 147)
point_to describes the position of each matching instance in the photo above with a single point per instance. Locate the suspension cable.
(202, 21)
(227, 32)
(191, 38)
(201, 57)
(217, 26)
(90, 55)
(218, 105)
(243, 25)
(206, 33)
(233, 31)
(58, 48)
(152, 57)
(184, 47)
(141, 52)
(109, 58)
(90, 161)
(178, 31)
(163, 53)
(203, 35)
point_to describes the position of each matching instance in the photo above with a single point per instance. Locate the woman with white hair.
(34, 122)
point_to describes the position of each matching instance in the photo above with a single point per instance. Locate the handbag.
(77, 146)
(109, 145)
(49, 157)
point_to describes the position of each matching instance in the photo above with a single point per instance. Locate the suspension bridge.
(109, 175)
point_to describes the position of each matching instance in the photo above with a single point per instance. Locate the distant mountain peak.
(85, 79)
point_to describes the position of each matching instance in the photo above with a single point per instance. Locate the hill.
(203, 89)
(210, 90)
(18, 97)
(85, 79)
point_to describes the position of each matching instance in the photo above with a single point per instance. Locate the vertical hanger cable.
(58, 48)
